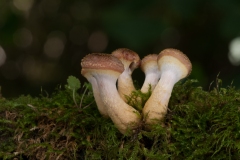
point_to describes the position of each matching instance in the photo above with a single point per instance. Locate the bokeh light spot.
(40, 72)
(29, 67)
(3, 56)
(22, 37)
(97, 41)
(49, 8)
(23, 5)
(234, 51)
(54, 45)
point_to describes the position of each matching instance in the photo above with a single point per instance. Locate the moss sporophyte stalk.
(68, 124)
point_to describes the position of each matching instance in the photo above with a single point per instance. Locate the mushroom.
(131, 61)
(96, 93)
(174, 66)
(106, 69)
(152, 74)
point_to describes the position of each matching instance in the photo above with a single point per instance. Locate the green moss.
(137, 99)
(199, 125)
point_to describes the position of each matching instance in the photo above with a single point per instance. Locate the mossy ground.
(199, 125)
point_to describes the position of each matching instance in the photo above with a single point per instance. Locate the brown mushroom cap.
(101, 61)
(129, 58)
(149, 61)
(175, 59)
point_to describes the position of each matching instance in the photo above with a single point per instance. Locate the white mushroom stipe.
(131, 61)
(174, 66)
(96, 93)
(152, 74)
(106, 69)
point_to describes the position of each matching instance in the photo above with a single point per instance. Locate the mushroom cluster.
(162, 71)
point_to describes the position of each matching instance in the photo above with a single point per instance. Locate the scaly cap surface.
(129, 58)
(175, 58)
(97, 61)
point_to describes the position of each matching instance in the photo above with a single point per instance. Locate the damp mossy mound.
(199, 125)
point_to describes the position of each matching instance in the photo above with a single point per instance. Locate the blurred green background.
(43, 41)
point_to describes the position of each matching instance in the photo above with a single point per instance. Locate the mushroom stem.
(156, 106)
(125, 85)
(101, 106)
(123, 116)
(151, 79)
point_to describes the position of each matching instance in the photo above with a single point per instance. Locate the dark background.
(43, 41)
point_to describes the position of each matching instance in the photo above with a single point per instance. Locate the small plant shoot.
(73, 84)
